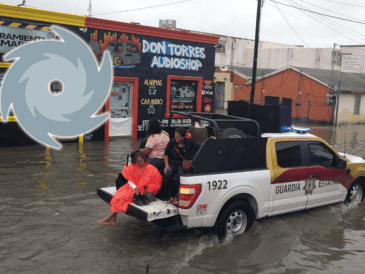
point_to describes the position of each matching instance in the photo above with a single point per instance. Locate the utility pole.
(339, 85)
(255, 51)
(89, 8)
(338, 91)
(333, 63)
(331, 86)
(23, 4)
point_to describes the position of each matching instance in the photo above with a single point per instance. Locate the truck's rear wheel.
(234, 220)
(355, 192)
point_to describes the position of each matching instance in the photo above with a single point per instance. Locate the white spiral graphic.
(86, 86)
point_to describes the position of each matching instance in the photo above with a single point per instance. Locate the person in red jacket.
(143, 179)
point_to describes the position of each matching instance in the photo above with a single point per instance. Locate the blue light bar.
(295, 129)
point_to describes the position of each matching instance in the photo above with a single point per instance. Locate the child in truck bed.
(145, 179)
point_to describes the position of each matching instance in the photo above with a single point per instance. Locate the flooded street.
(49, 211)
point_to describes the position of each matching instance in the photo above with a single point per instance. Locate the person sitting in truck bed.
(198, 131)
(143, 179)
(177, 149)
(156, 145)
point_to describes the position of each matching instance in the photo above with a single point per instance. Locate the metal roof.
(246, 72)
(350, 82)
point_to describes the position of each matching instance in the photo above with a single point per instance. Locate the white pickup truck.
(237, 180)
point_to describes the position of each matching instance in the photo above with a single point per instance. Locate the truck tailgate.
(156, 210)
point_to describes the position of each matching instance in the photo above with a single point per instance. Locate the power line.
(348, 29)
(298, 34)
(296, 17)
(294, 3)
(150, 7)
(290, 25)
(318, 13)
(313, 24)
(331, 11)
(345, 4)
(330, 21)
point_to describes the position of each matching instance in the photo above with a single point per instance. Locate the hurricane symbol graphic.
(43, 115)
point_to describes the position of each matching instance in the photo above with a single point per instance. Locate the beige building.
(233, 51)
(352, 108)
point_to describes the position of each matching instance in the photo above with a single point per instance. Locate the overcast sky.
(279, 23)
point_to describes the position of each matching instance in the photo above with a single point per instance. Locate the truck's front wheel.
(234, 220)
(355, 192)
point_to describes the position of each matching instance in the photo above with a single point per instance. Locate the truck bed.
(156, 210)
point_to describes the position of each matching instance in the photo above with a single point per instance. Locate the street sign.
(352, 64)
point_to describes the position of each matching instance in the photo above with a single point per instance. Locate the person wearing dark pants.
(172, 177)
(158, 163)
(177, 149)
(121, 181)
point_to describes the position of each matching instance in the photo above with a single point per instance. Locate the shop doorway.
(121, 109)
(219, 96)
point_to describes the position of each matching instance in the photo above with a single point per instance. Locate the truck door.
(289, 177)
(324, 181)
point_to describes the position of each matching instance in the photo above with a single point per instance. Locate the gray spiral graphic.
(43, 115)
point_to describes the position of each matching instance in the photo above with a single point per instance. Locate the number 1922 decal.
(217, 185)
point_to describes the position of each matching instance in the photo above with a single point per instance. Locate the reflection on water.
(49, 211)
(350, 138)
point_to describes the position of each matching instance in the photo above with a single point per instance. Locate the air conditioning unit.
(168, 24)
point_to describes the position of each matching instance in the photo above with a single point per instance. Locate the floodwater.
(49, 211)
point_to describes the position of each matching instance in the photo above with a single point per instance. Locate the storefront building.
(155, 70)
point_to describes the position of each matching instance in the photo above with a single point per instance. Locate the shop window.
(357, 104)
(183, 94)
(220, 49)
(120, 100)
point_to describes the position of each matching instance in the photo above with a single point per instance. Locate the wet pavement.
(49, 211)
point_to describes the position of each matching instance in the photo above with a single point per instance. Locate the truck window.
(320, 155)
(132, 48)
(289, 154)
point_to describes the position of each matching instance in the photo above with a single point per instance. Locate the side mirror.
(341, 163)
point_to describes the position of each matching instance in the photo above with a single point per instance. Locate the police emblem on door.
(310, 185)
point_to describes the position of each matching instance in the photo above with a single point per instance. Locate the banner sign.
(352, 64)
(11, 37)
